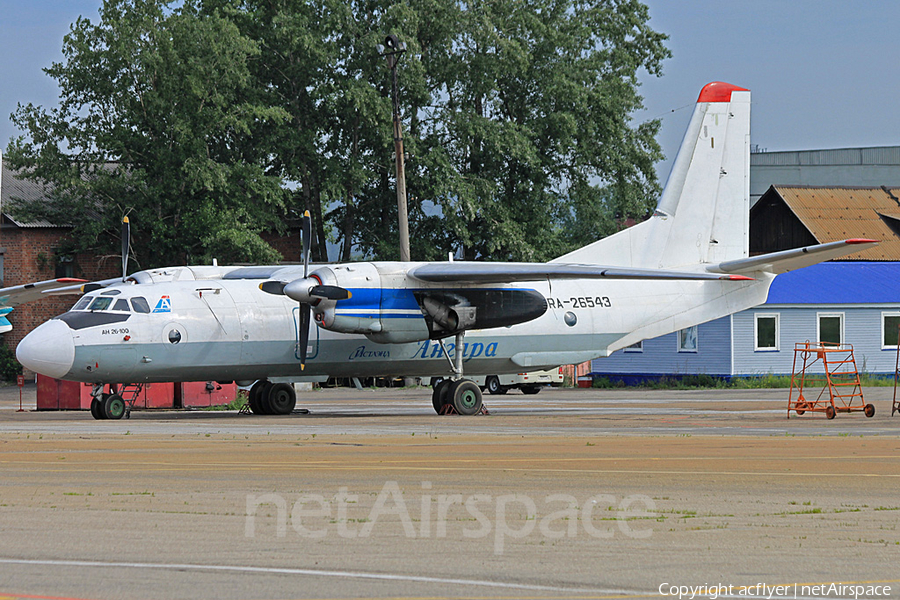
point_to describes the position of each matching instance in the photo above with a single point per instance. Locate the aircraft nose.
(48, 350)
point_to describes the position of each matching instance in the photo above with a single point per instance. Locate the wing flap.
(791, 260)
(475, 272)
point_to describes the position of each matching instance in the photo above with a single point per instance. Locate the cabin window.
(636, 347)
(830, 328)
(101, 303)
(687, 340)
(766, 332)
(82, 303)
(890, 325)
(140, 305)
(122, 305)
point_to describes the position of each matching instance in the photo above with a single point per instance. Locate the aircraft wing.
(476, 272)
(82, 287)
(797, 258)
(19, 294)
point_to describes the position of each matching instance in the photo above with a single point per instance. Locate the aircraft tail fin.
(703, 213)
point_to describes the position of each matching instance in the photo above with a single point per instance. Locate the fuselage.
(189, 323)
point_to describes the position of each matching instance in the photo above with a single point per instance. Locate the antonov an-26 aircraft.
(685, 265)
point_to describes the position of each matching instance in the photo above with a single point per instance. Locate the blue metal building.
(850, 302)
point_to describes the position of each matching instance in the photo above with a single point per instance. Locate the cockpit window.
(111, 293)
(83, 303)
(140, 305)
(122, 305)
(101, 303)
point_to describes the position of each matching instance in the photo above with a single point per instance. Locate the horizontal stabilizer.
(791, 260)
(475, 272)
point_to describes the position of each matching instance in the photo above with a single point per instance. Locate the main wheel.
(258, 393)
(493, 385)
(830, 412)
(439, 395)
(870, 410)
(114, 407)
(97, 409)
(281, 399)
(466, 397)
(531, 389)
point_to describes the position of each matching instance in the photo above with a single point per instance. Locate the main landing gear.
(267, 398)
(462, 396)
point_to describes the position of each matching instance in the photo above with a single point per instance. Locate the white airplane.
(685, 265)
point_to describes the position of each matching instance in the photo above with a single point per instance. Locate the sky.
(823, 73)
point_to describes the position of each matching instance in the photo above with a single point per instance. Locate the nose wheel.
(116, 404)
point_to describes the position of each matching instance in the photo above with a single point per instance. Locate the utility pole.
(392, 50)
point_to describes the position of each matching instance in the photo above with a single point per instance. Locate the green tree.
(529, 133)
(156, 120)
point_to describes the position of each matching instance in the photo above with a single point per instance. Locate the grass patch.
(236, 404)
(752, 382)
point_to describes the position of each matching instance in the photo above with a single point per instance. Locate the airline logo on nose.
(164, 305)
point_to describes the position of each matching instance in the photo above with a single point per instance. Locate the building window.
(766, 332)
(636, 347)
(687, 340)
(830, 328)
(65, 264)
(890, 322)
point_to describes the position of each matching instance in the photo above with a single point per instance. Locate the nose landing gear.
(117, 403)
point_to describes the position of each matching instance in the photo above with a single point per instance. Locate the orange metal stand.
(824, 366)
(895, 406)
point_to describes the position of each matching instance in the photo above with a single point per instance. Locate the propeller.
(306, 291)
(305, 233)
(126, 244)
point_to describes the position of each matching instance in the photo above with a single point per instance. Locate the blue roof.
(845, 282)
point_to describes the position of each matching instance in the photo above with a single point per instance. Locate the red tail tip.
(861, 241)
(739, 278)
(718, 91)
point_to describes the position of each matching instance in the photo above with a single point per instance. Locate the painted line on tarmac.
(317, 573)
(156, 468)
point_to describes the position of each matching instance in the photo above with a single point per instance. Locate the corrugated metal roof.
(835, 213)
(848, 282)
(883, 155)
(13, 188)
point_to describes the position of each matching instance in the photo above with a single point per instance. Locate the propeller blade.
(273, 287)
(329, 292)
(304, 333)
(126, 244)
(305, 235)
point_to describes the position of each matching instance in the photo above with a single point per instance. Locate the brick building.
(29, 252)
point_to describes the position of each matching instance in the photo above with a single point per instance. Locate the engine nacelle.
(386, 309)
(385, 315)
